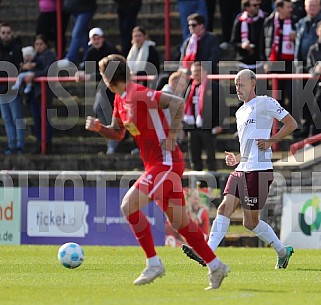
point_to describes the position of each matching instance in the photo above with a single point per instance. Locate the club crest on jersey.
(147, 180)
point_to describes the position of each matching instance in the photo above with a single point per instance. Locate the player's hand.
(92, 124)
(230, 159)
(264, 144)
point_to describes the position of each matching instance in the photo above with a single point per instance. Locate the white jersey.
(254, 121)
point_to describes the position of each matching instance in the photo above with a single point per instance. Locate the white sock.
(214, 264)
(153, 261)
(264, 232)
(218, 231)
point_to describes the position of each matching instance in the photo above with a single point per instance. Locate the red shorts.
(163, 183)
(252, 188)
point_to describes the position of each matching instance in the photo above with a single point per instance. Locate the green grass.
(33, 275)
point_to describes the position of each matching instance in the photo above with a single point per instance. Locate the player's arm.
(289, 125)
(231, 159)
(176, 110)
(114, 131)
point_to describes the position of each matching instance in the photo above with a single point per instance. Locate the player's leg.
(133, 201)
(258, 184)
(177, 216)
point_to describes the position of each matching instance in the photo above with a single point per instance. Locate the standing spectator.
(314, 66)
(201, 117)
(47, 21)
(246, 34)
(127, 11)
(229, 9)
(82, 12)
(306, 36)
(143, 58)
(201, 45)
(248, 185)
(10, 101)
(104, 99)
(44, 58)
(188, 7)
(140, 110)
(278, 41)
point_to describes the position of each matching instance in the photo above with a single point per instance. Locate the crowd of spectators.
(260, 34)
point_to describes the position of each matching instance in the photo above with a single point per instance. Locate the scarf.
(191, 50)
(287, 51)
(137, 57)
(189, 107)
(245, 21)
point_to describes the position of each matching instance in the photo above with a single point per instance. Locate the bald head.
(246, 74)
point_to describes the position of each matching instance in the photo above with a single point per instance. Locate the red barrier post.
(43, 84)
(59, 28)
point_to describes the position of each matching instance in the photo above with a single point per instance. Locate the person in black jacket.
(201, 45)
(246, 34)
(11, 101)
(104, 98)
(202, 114)
(44, 58)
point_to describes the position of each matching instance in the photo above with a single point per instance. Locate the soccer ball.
(71, 255)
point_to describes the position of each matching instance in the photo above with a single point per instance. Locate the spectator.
(314, 66)
(188, 7)
(142, 58)
(246, 34)
(199, 212)
(278, 45)
(298, 10)
(28, 54)
(201, 46)
(104, 99)
(47, 21)
(177, 85)
(229, 10)
(306, 36)
(11, 101)
(127, 11)
(82, 11)
(211, 6)
(201, 117)
(44, 58)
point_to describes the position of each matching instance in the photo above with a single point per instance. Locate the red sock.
(141, 229)
(195, 239)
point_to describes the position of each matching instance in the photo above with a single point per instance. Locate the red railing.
(274, 77)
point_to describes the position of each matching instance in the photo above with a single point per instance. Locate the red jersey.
(138, 110)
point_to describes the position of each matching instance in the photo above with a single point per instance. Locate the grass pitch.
(32, 275)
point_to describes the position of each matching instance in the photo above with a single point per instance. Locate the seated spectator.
(201, 45)
(198, 211)
(28, 54)
(202, 117)
(104, 99)
(44, 58)
(143, 58)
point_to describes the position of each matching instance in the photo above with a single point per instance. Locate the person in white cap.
(28, 54)
(104, 99)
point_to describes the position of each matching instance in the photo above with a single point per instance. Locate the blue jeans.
(12, 114)
(188, 7)
(79, 38)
